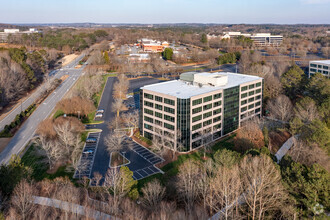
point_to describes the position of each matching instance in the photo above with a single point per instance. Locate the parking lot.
(87, 157)
(142, 160)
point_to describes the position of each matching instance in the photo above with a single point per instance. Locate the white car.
(98, 115)
(100, 111)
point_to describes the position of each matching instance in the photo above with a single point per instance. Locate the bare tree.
(53, 150)
(153, 193)
(187, 184)
(225, 190)
(280, 108)
(132, 119)
(261, 183)
(22, 199)
(306, 110)
(117, 106)
(114, 141)
(249, 136)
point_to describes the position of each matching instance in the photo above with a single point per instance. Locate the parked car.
(100, 111)
(88, 151)
(98, 115)
(91, 140)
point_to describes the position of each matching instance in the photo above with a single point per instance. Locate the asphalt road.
(34, 96)
(27, 131)
(102, 157)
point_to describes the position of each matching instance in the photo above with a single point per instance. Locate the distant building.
(266, 39)
(149, 45)
(139, 58)
(319, 66)
(15, 33)
(208, 105)
(260, 39)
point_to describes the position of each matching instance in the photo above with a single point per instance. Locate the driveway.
(142, 161)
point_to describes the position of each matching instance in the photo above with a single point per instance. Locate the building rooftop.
(185, 89)
(321, 61)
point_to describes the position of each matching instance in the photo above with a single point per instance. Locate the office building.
(319, 66)
(208, 105)
(266, 39)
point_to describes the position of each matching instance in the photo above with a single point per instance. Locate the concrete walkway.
(71, 207)
(285, 148)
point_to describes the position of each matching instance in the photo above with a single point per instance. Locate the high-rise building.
(319, 66)
(198, 107)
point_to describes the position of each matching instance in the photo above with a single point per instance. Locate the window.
(319, 66)
(148, 126)
(258, 84)
(217, 96)
(251, 99)
(258, 97)
(215, 127)
(168, 126)
(197, 101)
(196, 110)
(258, 103)
(313, 70)
(243, 95)
(169, 101)
(158, 115)
(251, 86)
(197, 126)
(257, 110)
(251, 106)
(146, 103)
(206, 123)
(170, 110)
(146, 118)
(208, 114)
(169, 118)
(217, 111)
(251, 93)
(258, 91)
(216, 119)
(195, 135)
(243, 102)
(196, 118)
(325, 67)
(216, 104)
(149, 112)
(159, 107)
(207, 107)
(313, 65)
(158, 122)
(148, 96)
(207, 98)
(243, 109)
(244, 88)
(158, 99)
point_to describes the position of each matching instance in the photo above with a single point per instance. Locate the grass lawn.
(39, 167)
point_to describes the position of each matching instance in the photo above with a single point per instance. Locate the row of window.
(252, 86)
(159, 99)
(206, 99)
(320, 66)
(158, 115)
(243, 102)
(250, 106)
(206, 123)
(244, 95)
(206, 107)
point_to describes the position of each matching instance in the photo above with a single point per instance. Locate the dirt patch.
(3, 143)
(64, 77)
(277, 139)
(68, 59)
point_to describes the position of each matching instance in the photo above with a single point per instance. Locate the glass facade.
(231, 109)
(183, 122)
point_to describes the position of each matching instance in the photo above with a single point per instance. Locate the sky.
(166, 11)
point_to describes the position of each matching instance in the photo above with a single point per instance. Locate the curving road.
(27, 130)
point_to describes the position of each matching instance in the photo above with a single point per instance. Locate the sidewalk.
(71, 207)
